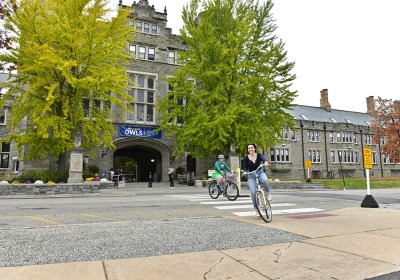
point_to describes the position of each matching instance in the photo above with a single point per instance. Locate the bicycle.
(229, 188)
(263, 205)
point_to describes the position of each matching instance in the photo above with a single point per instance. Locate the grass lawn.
(360, 183)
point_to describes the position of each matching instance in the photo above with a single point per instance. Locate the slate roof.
(319, 114)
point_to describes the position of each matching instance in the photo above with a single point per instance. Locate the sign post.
(368, 201)
(307, 164)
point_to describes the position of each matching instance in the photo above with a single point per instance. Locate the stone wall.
(53, 189)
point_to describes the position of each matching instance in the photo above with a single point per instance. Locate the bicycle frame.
(215, 191)
(263, 206)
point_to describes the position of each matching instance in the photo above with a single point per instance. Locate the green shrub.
(93, 168)
(43, 175)
(180, 170)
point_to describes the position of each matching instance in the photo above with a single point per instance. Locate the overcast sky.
(350, 47)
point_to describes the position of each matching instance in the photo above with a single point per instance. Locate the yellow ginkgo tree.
(71, 58)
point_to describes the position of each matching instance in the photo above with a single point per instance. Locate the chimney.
(396, 106)
(324, 101)
(370, 104)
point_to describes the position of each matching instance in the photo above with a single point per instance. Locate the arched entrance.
(139, 157)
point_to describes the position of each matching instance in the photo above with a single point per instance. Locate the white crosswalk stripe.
(245, 203)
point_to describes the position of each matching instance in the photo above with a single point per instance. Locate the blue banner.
(143, 132)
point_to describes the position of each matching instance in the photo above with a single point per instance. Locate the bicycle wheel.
(213, 190)
(232, 191)
(263, 207)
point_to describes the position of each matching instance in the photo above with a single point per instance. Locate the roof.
(318, 114)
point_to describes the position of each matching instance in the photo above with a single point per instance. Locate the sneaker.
(269, 197)
(256, 212)
(172, 188)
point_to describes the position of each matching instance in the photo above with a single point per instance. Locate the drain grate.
(311, 216)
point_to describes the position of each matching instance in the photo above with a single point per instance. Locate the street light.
(341, 168)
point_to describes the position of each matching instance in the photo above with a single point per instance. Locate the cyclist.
(251, 162)
(219, 168)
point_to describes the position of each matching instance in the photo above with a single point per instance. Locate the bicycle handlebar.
(258, 168)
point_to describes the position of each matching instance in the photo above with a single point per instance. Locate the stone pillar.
(75, 166)
(234, 164)
(234, 161)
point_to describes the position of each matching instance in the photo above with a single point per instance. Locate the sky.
(350, 47)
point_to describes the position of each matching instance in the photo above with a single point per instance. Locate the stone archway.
(149, 154)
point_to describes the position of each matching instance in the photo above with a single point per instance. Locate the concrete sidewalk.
(352, 243)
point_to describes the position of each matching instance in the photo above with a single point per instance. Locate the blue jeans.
(253, 185)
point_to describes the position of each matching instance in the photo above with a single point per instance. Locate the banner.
(143, 132)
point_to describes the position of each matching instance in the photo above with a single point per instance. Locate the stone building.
(332, 139)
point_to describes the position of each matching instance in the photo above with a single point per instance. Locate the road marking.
(251, 206)
(100, 217)
(281, 212)
(227, 201)
(44, 220)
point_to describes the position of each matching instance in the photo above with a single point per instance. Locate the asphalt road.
(138, 222)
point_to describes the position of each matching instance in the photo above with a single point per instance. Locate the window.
(344, 156)
(171, 57)
(331, 137)
(146, 28)
(3, 117)
(293, 135)
(151, 54)
(132, 49)
(333, 120)
(347, 137)
(285, 133)
(5, 155)
(2, 91)
(373, 157)
(154, 29)
(90, 107)
(368, 139)
(333, 156)
(139, 26)
(314, 156)
(313, 135)
(338, 137)
(144, 94)
(142, 53)
(279, 155)
(174, 100)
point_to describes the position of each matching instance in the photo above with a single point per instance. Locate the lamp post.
(326, 150)
(302, 147)
(150, 175)
(341, 168)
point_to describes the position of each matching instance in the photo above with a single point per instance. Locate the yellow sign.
(367, 158)
(307, 163)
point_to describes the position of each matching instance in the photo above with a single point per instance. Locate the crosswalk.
(243, 206)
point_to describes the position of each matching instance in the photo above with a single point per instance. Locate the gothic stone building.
(332, 139)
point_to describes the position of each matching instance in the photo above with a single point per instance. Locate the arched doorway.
(142, 156)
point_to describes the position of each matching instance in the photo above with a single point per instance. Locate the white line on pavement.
(280, 212)
(251, 206)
